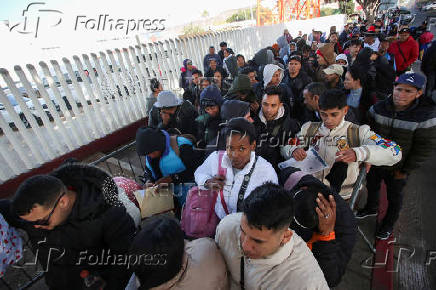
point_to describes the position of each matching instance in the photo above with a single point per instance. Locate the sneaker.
(383, 234)
(364, 212)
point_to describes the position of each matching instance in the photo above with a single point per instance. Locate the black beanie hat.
(149, 140)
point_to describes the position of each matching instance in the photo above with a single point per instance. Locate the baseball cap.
(334, 69)
(405, 29)
(167, 99)
(414, 79)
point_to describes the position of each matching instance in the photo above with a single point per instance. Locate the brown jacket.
(203, 268)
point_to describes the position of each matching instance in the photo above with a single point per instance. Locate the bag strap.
(401, 52)
(174, 145)
(221, 171)
(353, 135)
(244, 185)
(242, 280)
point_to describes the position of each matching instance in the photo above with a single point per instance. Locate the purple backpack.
(199, 219)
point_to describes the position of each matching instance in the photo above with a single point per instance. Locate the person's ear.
(287, 235)
(419, 92)
(346, 110)
(253, 146)
(64, 201)
(315, 98)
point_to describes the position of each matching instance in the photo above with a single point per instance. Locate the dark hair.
(229, 50)
(274, 90)
(212, 59)
(197, 71)
(331, 99)
(38, 189)
(316, 88)
(158, 250)
(355, 73)
(241, 126)
(305, 205)
(154, 84)
(223, 43)
(269, 206)
(332, 33)
(240, 55)
(355, 42)
(306, 47)
(246, 70)
(205, 79)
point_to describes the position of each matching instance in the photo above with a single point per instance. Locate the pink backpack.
(199, 219)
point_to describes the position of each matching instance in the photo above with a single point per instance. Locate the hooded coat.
(184, 82)
(268, 72)
(241, 83)
(273, 134)
(406, 53)
(98, 222)
(327, 51)
(332, 256)
(230, 109)
(182, 121)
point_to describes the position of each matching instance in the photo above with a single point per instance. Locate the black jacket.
(297, 86)
(272, 135)
(385, 77)
(182, 121)
(207, 130)
(209, 73)
(98, 222)
(414, 130)
(332, 256)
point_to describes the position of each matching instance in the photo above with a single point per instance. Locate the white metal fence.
(53, 108)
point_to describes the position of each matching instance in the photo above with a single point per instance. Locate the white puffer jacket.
(373, 149)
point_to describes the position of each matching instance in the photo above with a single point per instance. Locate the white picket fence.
(110, 98)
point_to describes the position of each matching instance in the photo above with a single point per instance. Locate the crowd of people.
(348, 100)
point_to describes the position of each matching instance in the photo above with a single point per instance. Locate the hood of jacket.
(232, 65)
(263, 57)
(284, 46)
(95, 188)
(233, 109)
(241, 83)
(268, 72)
(328, 52)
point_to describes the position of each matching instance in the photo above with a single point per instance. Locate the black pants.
(394, 191)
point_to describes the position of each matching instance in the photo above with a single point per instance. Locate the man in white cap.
(173, 114)
(333, 76)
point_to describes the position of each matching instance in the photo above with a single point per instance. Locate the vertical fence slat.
(110, 73)
(133, 90)
(73, 102)
(87, 108)
(56, 116)
(47, 125)
(115, 115)
(77, 136)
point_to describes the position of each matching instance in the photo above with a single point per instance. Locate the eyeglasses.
(46, 221)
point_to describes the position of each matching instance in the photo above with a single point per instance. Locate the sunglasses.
(46, 221)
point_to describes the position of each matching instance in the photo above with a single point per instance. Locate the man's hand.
(346, 156)
(326, 211)
(399, 175)
(299, 154)
(215, 183)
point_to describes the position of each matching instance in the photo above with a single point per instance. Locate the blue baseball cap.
(414, 79)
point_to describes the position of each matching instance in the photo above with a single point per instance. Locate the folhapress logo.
(36, 16)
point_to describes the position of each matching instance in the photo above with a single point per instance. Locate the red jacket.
(410, 50)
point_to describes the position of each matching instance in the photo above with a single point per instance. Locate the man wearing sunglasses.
(75, 221)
